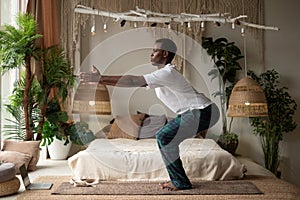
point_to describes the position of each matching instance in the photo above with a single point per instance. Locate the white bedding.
(125, 159)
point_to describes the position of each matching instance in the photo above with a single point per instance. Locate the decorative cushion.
(126, 126)
(9, 187)
(103, 132)
(151, 125)
(7, 172)
(15, 157)
(201, 134)
(28, 147)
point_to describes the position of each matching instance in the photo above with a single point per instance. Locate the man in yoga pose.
(193, 109)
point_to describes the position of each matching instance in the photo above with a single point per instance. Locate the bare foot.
(163, 183)
(168, 186)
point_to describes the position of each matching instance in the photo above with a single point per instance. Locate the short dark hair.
(168, 45)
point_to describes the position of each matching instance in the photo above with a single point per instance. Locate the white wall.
(281, 51)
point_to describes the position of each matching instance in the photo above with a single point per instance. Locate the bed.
(126, 150)
(131, 160)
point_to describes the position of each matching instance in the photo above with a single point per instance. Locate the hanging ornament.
(202, 25)
(243, 31)
(93, 28)
(189, 26)
(105, 27)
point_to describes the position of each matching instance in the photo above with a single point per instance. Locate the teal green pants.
(184, 126)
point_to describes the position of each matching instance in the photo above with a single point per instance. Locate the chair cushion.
(27, 147)
(7, 172)
(15, 157)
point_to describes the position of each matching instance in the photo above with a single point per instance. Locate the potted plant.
(59, 131)
(33, 91)
(59, 125)
(225, 56)
(15, 128)
(281, 109)
(18, 49)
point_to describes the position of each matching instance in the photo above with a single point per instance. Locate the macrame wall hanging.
(73, 24)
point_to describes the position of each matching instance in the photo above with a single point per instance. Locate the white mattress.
(125, 159)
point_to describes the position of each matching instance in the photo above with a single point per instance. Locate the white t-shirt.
(175, 91)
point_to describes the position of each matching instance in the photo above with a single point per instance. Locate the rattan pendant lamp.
(247, 98)
(91, 98)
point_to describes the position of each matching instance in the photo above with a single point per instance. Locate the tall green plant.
(281, 109)
(225, 56)
(17, 48)
(57, 77)
(15, 128)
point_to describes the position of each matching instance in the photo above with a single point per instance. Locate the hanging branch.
(142, 15)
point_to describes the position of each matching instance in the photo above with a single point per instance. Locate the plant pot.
(57, 150)
(228, 146)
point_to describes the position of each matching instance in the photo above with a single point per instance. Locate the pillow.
(28, 147)
(201, 134)
(16, 158)
(151, 125)
(103, 132)
(126, 126)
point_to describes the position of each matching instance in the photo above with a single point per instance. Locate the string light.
(182, 18)
(243, 31)
(105, 27)
(233, 25)
(168, 25)
(202, 25)
(93, 28)
(189, 26)
(135, 25)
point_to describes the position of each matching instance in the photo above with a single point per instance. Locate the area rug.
(273, 189)
(153, 188)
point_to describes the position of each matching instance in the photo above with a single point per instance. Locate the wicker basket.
(9, 187)
(247, 99)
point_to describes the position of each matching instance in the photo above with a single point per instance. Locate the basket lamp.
(247, 98)
(91, 98)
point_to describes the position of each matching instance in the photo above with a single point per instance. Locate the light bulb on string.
(105, 27)
(169, 25)
(243, 32)
(202, 25)
(93, 28)
(189, 26)
(135, 25)
(233, 25)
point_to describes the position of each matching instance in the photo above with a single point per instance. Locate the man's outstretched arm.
(123, 81)
(120, 81)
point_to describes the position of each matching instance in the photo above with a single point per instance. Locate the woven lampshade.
(247, 99)
(92, 99)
